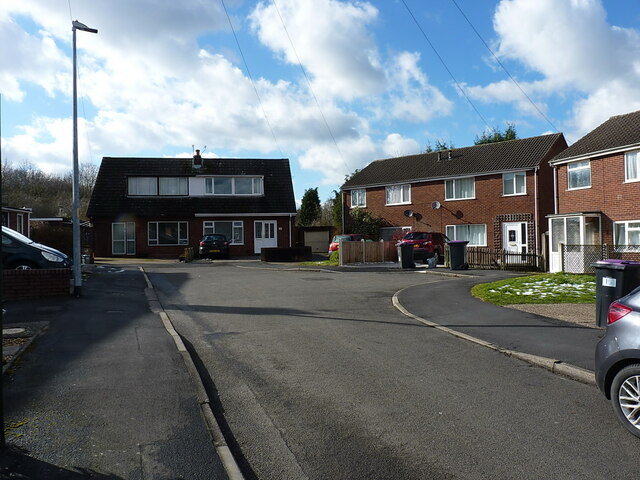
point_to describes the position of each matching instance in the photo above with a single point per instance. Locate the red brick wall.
(102, 236)
(19, 284)
(488, 207)
(618, 201)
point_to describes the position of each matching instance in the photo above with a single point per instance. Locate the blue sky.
(162, 76)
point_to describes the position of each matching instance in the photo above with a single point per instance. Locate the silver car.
(618, 360)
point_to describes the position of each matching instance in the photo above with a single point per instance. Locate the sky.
(331, 85)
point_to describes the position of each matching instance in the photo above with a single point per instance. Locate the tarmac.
(102, 386)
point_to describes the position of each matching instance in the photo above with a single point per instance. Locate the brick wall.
(609, 194)
(19, 284)
(489, 207)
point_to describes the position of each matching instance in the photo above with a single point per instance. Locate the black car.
(22, 253)
(214, 245)
(618, 360)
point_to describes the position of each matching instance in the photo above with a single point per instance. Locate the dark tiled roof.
(109, 196)
(618, 131)
(493, 157)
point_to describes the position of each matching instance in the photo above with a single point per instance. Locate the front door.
(123, 238)
(265, 235)
(514, 237)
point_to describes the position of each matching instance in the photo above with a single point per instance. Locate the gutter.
(599, 153)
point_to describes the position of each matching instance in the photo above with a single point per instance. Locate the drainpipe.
(342, 210)
(555, 190)
(535, 213)
(290, 229)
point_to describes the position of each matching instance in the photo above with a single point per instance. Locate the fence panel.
(578, 258)
(500, 259)
(367, 252)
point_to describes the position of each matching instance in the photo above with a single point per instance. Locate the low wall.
(19, 284)
(291, 254)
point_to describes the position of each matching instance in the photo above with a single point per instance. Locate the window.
(234, 230)
(579, 174)
(460, 188)
(476, 235)
(514, 183)
(359, 198)
(627, 233)
(632, 166)
(20, 223)
(174, 186)
(168, 233)
(143, 185)
(233, 185)
(398, 194)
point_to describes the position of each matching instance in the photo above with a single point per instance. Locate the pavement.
(103, 387)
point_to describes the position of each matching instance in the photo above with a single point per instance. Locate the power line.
(446, 68)
(255, 89)
(505, 68)
(311, 88)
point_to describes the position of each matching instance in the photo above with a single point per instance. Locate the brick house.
(495, 195)
(17, 219)
(155, 207)
(597, 191)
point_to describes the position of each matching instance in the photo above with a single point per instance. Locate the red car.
(346, 237)
(426, 245)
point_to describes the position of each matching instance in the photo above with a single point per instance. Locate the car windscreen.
(16, 236)
(340, 238)
(414, 236)
(212, 238)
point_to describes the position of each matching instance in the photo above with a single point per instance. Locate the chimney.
(439, 155)
(450, 154)
(197, 160)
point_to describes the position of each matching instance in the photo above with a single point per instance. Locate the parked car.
(618, 360)
(426, 245)
(345, 237)
(22, 253)
(214, 245)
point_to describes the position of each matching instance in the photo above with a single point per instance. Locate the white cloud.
(395, 145)
(569, 43)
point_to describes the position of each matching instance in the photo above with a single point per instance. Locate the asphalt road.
(316, 375)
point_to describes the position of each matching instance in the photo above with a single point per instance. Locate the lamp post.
(77, 272)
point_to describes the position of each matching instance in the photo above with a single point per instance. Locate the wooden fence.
(367, 252)
(500, 259)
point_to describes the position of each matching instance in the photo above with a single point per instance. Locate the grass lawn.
(543, 288)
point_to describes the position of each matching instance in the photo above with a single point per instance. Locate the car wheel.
(625, 397)
(24, 266)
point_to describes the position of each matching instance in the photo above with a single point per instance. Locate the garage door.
(318, 241)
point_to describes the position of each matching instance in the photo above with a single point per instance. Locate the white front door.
(514, 237)
(265, 235)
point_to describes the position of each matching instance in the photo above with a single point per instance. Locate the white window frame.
(455, 233)
(405, 194)
(257, 186)
(579, 165)
(514, 183)
(454, 180)
(131, 181)
(209, 227)
(630, 157)
(359, 197)
(183, 234)
(183, 186)
(626, 224)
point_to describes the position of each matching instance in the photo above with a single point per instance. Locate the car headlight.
(51, 257)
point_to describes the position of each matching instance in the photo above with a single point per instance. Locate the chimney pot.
(450, 154)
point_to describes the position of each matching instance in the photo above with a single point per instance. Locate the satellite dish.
(435, 205)
(408, 213)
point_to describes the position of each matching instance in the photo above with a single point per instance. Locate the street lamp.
(77, 273)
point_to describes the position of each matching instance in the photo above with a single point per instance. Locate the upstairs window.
(398, 194)
(234, 185)
(460, 188)
(514, 184)
(174, 186)
(143, 185)
(632, 166)
(579, 174)
(359, 198)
